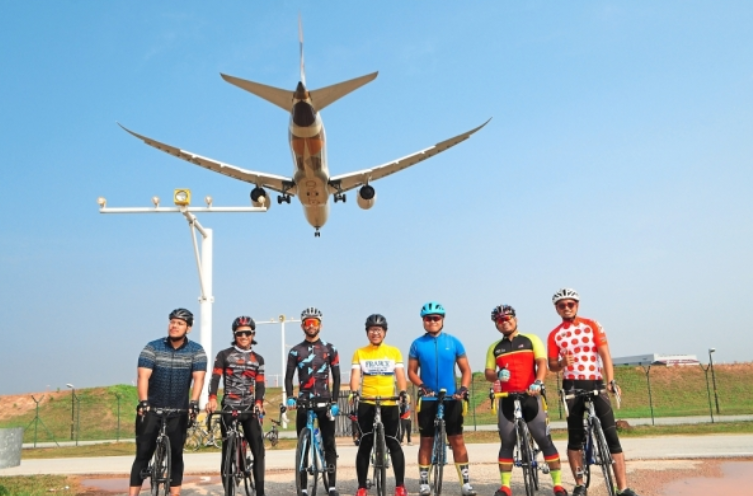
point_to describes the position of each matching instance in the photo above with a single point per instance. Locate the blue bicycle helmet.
(432, 308)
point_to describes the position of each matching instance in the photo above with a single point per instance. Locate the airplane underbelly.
(316, 215)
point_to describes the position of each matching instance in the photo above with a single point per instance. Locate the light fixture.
(712, 350)
(208, 199)
(182, 197)
(282, 318)
(70, 386)
(155, 200)
(101, 201)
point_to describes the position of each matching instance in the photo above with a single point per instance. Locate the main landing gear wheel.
(283, 198)
(317, 233)
(340, 197)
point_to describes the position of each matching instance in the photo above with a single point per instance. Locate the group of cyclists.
(517, 362)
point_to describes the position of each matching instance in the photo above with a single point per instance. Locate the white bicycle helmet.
(565, 294)
(311, 312)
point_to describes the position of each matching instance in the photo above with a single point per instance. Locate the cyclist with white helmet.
(166, 369)
(578, 348)
(431, 367)
(517, 363)
(316, 360)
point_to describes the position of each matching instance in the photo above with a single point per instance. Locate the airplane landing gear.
(283, 198)
(340, 197)
(317, 233)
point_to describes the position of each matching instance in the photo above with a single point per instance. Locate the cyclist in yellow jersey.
(377, 369)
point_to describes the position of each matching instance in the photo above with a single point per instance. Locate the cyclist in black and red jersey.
(315, 360)
(517, 363)
(578, 347)
(242, 373)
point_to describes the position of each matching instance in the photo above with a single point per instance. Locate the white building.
(654, 359)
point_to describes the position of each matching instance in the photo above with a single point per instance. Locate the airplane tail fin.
(281, 98)
(330, 94)
(300, 41)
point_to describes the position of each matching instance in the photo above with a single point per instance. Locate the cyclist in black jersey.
(242, 373)
(315, 360)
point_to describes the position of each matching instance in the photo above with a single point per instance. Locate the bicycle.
(380, 458)
(159, 469)
(595, 450)
(200, 435)
(526, 450)
(273, 436)
(309, 452)
(238, 464)
(439, 448)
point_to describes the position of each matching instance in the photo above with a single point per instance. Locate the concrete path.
(644, 448)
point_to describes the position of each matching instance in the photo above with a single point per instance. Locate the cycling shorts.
(453, 418)
(575, 432)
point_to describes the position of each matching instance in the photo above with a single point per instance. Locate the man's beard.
(176, 339)
(313, 334)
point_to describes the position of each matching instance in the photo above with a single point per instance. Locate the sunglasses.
(564, 305)
(245, 333)
(432, 318)
(311, 323)
(505, 318)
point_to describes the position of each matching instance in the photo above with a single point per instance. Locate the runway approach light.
(101, 202)
(182, 197)
(208, 199)
(155, 200)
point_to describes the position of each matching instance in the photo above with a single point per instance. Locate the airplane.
(311, 180)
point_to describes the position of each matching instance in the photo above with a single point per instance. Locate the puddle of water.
(735, 481)
(119, 485)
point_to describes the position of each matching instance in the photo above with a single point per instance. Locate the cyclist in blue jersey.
(431, 367)
(166, 369)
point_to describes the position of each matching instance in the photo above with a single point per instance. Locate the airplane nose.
(300, 92)
(304, 114)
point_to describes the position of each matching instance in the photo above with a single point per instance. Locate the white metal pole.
(205, 306)
(283, 366)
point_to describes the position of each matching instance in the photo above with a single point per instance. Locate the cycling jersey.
(377, 365)
(313, 361)
(581, 337)
(172, 371)
(436, 360)
(242, 372)
(518, 354)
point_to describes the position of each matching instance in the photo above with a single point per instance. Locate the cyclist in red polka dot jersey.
(578, 348)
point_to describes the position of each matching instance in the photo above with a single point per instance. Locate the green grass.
(36, 485)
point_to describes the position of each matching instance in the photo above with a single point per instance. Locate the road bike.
(202, 435)
(310, 463)
(439, 447)
(380, 457)
(238, 465)
(159, 469)
(273, 436)
(595, 450)
(526, 450)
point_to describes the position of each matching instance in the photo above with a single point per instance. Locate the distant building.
(654, 359)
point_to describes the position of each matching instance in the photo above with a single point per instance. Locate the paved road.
(644, 448)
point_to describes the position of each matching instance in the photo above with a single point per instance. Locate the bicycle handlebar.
(580, 393)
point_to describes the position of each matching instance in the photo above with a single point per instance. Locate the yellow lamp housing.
(182, 197)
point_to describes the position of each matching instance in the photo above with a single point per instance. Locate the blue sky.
(618, 162)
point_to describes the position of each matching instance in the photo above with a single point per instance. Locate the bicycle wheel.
(248, 472)
(306, 466)
(271, 438)
(587, 454)
(231, 465)
(380, 460)
(194, 438)
(161, 464)
(604, 457)
(524, 452)
(534, 451)
(438, 460)
(324, 469)
(214, 436)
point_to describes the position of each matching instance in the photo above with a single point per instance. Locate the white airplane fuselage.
(308, 145)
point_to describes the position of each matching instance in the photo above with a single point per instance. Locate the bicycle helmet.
(565, 294)
(432, 308)
(244, 321)
(311, 312)
(376, 320)
(502, 310)
(182, 314)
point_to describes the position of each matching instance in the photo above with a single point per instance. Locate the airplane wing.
(274, 182)
(345, 182)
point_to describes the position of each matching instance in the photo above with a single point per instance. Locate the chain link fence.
(647, 392)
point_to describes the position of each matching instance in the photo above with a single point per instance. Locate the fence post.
(117, 428)
(708, 390)
(78, 418)
(650, 398)
(73, 411)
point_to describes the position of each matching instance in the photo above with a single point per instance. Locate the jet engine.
(260, 198)
(366, 197)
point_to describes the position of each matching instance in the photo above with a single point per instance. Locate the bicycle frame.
(311, 459)
(237, 464)
(159, 469)
(379, 462)
(273, 435)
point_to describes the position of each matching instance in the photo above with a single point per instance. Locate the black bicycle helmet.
(502, 310)
(182, 314)
(376, 320)
(244, 321)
